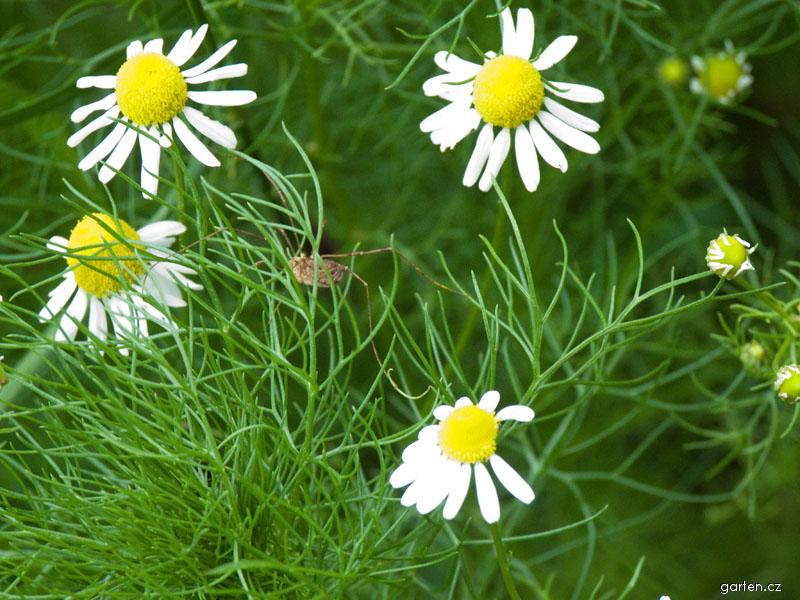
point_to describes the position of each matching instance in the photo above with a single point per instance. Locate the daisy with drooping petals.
(723, 75)
(729, 255)
(509, 92)
(149, 102)
(108, 278)
(438, 466)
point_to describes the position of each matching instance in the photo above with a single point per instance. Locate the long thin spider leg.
(401, 255)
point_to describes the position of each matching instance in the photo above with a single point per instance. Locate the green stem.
(502, 560)
(474, 312)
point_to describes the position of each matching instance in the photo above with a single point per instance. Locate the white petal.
(166, 139)
(84, 111)
(453, 64)
(155, 232)
(151, 161)
(403, 476)
(194, 145)
(104, 120)
(517, 412)
(575, 92)
(570, 117)
(569, 135)
(68, 327)
(511, 480)
(447, 137)
(104, 148)
(58, 244)
(523, 46)
(226, 72)
(487, 494)
(549, 150)
(104, 82)
(59, 296)
(429, 434)
(163, 288)
(489, 401)
(509, 35)
(118, 157)
(412, 493)
(98, 324)
(186, 46)
(444, 117)
(479, 156)
(419, 452)
(442, 412)
(459, 487)
(437, 486)
(463, 401)
(156, 45)
(175, 274)
(497, 156)
(213, 130)
(448, 86)
(121, 316)
(212, 60)
(555, 52)
(527, 161)
(223, 98)
(152, 313)
(134, 48)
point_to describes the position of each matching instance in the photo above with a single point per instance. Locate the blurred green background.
(678, 167)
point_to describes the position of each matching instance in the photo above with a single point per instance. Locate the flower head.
(787, 383)
(729, 255)
(673, 71)
(753, 356)
(151, 100)
(509, 92)
(723, 75)
(111, 269)
(439, 465)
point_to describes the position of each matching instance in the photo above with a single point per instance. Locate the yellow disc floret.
(100, 259)
(721, 76)
(150, 89)
(468, 434)
(508, 91)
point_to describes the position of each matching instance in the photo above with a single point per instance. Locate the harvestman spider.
(306, 269)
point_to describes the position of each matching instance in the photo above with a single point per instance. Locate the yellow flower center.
(150, 89)
(111, 260)
(508, 91)
(721, 76)
(468, 435)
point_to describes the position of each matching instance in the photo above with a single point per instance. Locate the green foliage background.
(250, 455)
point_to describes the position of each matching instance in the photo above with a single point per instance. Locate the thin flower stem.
(502, 560)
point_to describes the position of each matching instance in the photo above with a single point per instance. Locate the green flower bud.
(729, 255)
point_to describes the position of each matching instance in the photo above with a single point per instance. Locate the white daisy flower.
(439, 465)
(108, 278)
(729, 255)
(509, 92)
(723, 75)
(149, 102)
